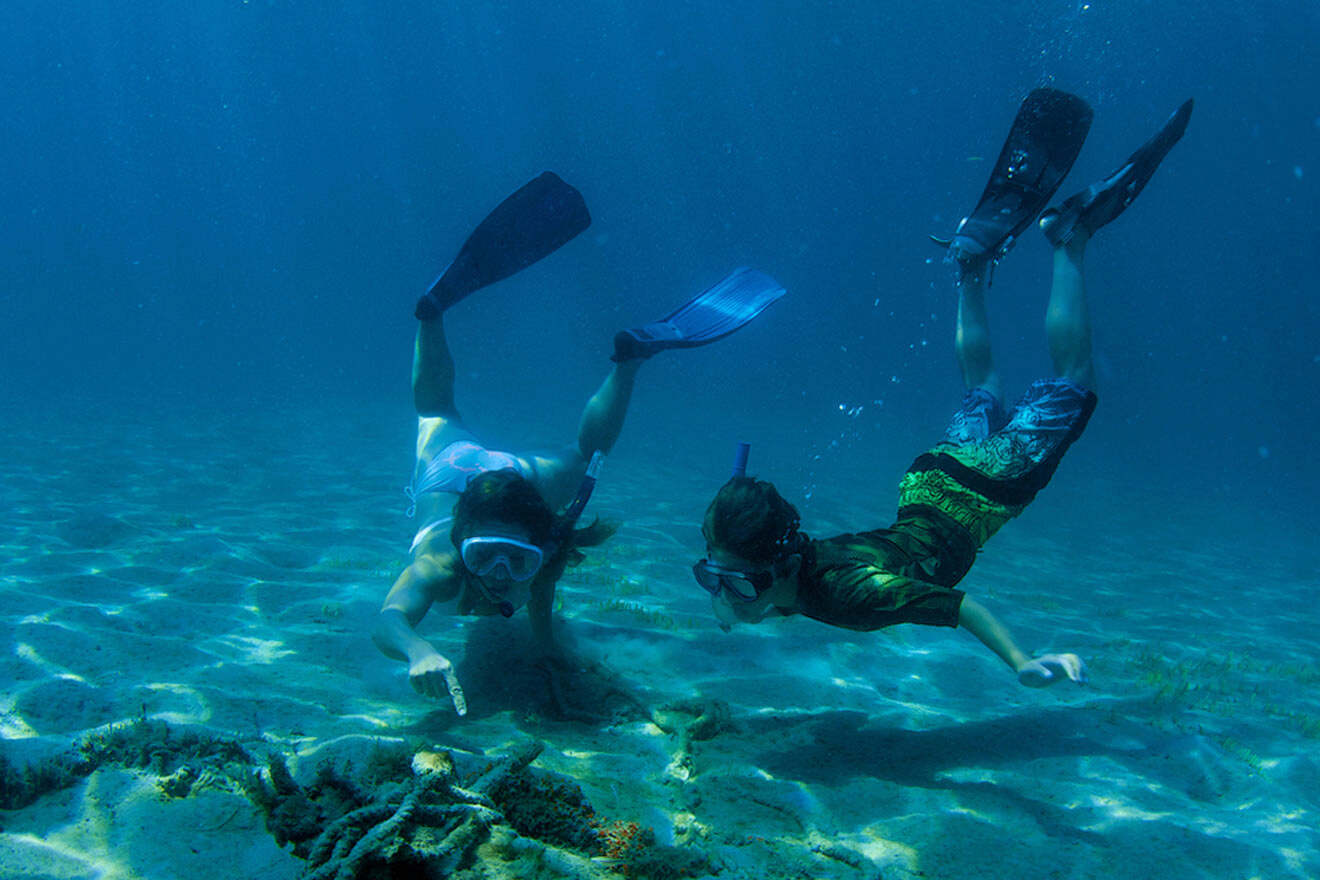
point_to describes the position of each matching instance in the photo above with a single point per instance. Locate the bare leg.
(433, 371)
(1067, 320)
(972, 338)
(559, 475)
(602, 418)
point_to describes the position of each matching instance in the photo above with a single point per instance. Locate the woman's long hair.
(507, 496)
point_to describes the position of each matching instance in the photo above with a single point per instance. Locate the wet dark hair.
(748, 517)
(507, 496)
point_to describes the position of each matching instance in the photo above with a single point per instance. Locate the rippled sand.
(221, 573)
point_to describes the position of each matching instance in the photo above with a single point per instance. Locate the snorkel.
(791, 539)
(574, 510)
(740, 460)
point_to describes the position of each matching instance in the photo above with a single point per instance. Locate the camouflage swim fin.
(1042, 145)
(1104, 200)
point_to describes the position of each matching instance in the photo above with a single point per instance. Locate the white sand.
(233, 591)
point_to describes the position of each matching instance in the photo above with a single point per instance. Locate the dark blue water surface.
(234, 204)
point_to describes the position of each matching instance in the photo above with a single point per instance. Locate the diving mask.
(482, 554)
(745, 585)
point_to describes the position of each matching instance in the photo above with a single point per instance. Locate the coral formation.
(153, 745)
(431, 822)
(181, 760)
(550, 808)
(402, 813)
(18, 788)
(692, 721)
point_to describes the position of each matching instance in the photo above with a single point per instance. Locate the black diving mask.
(745, 585)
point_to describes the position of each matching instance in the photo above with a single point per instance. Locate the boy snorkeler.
(513, 530)
(989, 464)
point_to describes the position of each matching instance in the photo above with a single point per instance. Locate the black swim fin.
(535, 221)
(1104, 200)
(1042, 145)
(711, 315)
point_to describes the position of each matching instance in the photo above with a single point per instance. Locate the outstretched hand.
(1051, 668)
(433, 676)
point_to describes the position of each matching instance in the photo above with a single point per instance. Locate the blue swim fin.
(709, 316)
(1104, 200)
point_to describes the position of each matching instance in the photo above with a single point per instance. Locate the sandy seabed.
(187, 606)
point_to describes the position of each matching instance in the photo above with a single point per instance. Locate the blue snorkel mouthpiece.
(740, 459)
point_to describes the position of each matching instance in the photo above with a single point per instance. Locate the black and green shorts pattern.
(983, 473)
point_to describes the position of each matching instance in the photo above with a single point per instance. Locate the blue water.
(209, 202)
(232, 206)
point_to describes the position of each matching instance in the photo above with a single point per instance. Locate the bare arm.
(427, 580)
(977, 620)
(1040, 672)
(541, 611)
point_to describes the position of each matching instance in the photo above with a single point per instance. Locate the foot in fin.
(534, 222)
(1042, 145)
(709, 316)
(1104, 200)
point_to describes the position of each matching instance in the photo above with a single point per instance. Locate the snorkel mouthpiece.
(506, 602)
(740, 459)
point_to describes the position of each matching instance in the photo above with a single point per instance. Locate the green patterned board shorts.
(988, 467)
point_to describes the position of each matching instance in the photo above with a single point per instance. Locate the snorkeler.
(512, 531)
(989, 465)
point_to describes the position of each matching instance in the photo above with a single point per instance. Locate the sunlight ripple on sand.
(255, 650)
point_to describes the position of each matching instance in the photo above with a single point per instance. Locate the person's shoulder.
(439, 572)
(854, 547)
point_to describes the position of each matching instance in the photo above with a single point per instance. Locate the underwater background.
(217, 218)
